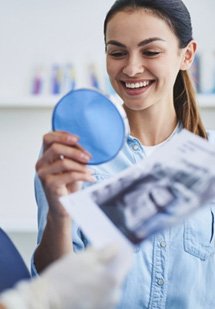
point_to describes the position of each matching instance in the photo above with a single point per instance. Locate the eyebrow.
(142, 43)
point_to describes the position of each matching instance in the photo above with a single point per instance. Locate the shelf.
(49, 101)
(206, 100)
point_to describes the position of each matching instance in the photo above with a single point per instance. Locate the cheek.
(110, 68)
(114, 68)
(158, 67)
(164, 72)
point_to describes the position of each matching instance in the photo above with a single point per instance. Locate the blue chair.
(12, 266)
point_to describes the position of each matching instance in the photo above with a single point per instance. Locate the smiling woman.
(149, 66)
(149, 49)
(147, 56)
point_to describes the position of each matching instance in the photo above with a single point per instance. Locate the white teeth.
(137, 85)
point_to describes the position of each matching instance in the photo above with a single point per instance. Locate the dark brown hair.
(175, 13)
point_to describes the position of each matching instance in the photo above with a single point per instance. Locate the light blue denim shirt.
(174, 269)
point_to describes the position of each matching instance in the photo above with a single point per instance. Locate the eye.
(151, 53)
(117, 54)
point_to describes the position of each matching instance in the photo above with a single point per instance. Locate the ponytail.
(186, 107)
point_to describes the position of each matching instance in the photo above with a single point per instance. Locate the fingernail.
(85, 156)
(72, 139)
(87, 153)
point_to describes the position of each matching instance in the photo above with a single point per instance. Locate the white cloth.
(79, 281)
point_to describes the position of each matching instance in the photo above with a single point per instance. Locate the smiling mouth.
(137, 85)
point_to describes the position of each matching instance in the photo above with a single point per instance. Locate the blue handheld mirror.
(101, 126)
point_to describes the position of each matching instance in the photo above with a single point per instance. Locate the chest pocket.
(199, 238)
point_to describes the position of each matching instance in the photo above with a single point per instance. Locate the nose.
(133, 66)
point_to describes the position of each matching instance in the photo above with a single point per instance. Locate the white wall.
(43, 32)
(21, 133)
(35, 32)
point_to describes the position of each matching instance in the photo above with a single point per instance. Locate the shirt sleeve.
(42, 211)
(80, 242)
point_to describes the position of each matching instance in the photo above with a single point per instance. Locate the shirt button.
(160, 281)
(135, 147)
(162, 244)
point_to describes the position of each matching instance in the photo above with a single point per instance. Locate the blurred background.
(47, 48)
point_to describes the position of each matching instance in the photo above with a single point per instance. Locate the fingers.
(60, 166)
(59, 137)
(65, 171)
(63, 138)
(59, 183)
(58, 145)
(56, 151)
(63, 163)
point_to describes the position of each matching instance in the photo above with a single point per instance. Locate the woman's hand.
(62, 168)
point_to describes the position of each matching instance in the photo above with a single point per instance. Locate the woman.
(149, 49)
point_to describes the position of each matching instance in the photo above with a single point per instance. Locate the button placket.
(160, 269)
(160, 281)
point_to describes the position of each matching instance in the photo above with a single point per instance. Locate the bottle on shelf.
(93, 76)
(37, 82)
(56, 79)
(69, 78)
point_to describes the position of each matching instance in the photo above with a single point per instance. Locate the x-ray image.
(139, 207)
(145, 204)
(154, 194)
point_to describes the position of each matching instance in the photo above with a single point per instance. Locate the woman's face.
(143, 58)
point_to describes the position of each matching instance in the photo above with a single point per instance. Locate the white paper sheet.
(149, 196)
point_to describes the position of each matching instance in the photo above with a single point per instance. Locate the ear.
(188, 55)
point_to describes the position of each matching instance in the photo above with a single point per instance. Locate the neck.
(152, 128)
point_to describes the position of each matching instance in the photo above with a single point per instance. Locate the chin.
(135, 107)
(137, 104)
